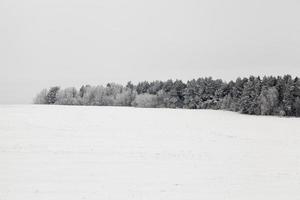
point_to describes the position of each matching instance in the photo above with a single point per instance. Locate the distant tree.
(237, 91)
(257, 90)
(41, 97)
(176, 95)
(269, 81)
(142, 87)
(223, 90)
(125, 98)
(146, 101)
(191, 95)
(82, 90)
(167, 86)
(226, 103)
(100, 96)
(162, 99)
(287, 95)
(247, 97)
(296, 91)
(268, 100)
(297, 106)
(155, 86)
(129, 85)
(51, 95)
(211, 87)
(89, 96)
(112, 89)
(67, 96)
(296, 95)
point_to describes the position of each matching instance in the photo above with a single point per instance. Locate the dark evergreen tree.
(142, 87)
(167, 86)
(247, 100)
(155, 86)
(236, 93)
(189, 94)
(129, 85)
(297, 106)
(176, 99)
(287, 95)
(82, 90)
(51, 96)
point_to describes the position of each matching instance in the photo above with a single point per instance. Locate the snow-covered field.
(95, 153)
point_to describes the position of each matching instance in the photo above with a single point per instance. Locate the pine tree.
(237, 91)
(51, 96)
(287, 98)
(155, 86)
(247, 98)
(142, 87)
(189, 95)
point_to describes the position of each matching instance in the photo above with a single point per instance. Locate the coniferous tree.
(287, 97)
(167, 86)
(155, 86)
(129, 85)
(247, 97)
(237, 91)
(176, 94)
(142, 87)
(297, 106)
(51, 96)
(190, 95)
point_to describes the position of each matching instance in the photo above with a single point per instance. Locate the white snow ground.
(72, 152)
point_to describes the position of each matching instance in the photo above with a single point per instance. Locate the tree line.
(253, 95)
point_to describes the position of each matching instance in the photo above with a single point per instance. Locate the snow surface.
(73, 152)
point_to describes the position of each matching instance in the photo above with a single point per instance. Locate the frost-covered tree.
(112, 89)
(162, 99)
(268, 100)
(82, 90)
(125, 98)
(249, 99)
(226, 103)
(41, 97)
(89, 96)
(145, 101)
(68, 96)
(99, 96)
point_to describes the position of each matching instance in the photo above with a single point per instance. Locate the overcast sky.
(71, 42)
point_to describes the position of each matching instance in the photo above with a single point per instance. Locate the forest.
(254, 95)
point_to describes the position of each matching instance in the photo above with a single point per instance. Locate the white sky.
(72, 42)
